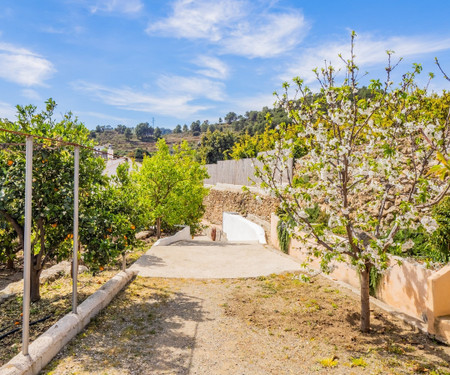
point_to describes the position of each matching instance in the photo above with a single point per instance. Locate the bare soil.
(56, 300)
(268, 325)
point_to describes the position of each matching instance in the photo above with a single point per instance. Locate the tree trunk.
(365, 300)
(158, 228)
(34, 277)
(10, 264)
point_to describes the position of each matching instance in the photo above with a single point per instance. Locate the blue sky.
(128, 61)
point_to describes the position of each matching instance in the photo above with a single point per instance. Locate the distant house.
(105, 151)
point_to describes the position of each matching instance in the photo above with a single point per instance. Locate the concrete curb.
(46, 346)
(182, 235)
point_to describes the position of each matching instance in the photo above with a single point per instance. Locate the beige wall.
(407, 285)
(297, 249)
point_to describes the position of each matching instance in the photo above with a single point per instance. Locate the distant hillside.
(214, 140)
(135, 147)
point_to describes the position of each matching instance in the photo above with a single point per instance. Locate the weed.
(358, 362)
(394, 349)
(329, 362)
(313, 305)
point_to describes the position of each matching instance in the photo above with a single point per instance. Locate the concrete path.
(202, 259)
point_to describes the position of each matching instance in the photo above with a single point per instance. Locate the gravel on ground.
(278, 324)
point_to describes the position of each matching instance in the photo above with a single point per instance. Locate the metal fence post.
(27, 246)
(75, 228)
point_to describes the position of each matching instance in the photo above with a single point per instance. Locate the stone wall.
(233, 199)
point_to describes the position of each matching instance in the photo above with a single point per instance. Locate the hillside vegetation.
(214, 141)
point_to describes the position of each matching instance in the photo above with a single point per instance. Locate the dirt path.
(274, 325)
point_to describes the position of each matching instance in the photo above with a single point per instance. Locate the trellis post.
(75, 228)
(27, 246)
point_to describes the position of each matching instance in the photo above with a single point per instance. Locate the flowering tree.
(366, 165)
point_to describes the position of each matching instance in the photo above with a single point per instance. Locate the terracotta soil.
(266, 325)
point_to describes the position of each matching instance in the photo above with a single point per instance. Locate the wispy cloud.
(369, 51)
(7, 111)
(272, 36)
(197, 87)
(22, 66)
(117, 6)
(235, 26)
(212, 67)
(31, 94)
(201, 19)
(132, 100)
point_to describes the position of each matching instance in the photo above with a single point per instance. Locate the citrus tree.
(366, 166)
(171, 187)
(109, 220)
(52, 203)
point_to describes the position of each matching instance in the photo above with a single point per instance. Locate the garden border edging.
(46, 346)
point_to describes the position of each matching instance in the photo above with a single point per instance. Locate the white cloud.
(119, 6)
(130, 99)
(7, 111)
(192, 86)
(23, 66)
(369, 51)
(199, 19)
(273, 36)
(212, 67)
(237, 27)
(31, 94)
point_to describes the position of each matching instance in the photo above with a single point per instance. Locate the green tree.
(121, 129)
(128, 134)
(143, 131)
(230, 117)
(177, 129)
(8, 245)
(216, 146)
(195, 128)
(204, 126)
(52, 221)
(110, 217)
(157, 133)
(171, 187)
(185, 128)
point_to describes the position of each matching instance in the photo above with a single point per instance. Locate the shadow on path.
(146, 330)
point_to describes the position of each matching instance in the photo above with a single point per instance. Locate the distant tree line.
(143, 131)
